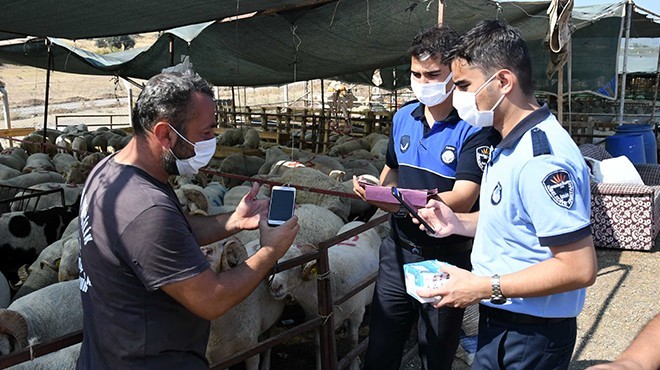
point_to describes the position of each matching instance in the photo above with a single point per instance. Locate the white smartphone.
(282, 203)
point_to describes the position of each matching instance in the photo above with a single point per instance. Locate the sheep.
(273, 155)
(374, 138)
(63, 162)
(14, 158)
(251, 139)
(25, 234)
(71, 194)
(351, 262)
(79, 171)
(32, 143)
(42, 272)
(241, 165)
(79, 145)
(239, 328)
(199, 200)
(280, 166)
(234, 195)
(317, 224)
(231, 137)
(359, 167)
(315, 179)
(7, 172)
(348, 147)
(33, 178)
(63, 142)
(64, 359)
(358, 206)
(5, 292)
(48, 313)
(380, 147)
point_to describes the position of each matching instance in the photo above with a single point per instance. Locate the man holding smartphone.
(148, 292)
(430, 147)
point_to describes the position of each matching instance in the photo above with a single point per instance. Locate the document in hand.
(418, 198)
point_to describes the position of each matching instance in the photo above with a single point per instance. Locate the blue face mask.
(204, 151)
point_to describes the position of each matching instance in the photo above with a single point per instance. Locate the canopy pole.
(441, 12)
(171, 50)
(48, 68)
(5, 104)
(655, 93)
(622, 94)
(560, 95)
(233, 106)
(570, 86)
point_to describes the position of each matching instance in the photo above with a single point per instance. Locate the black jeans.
(393, 313)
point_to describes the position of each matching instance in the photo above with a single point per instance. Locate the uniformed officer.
(533, 254)
(430, 147)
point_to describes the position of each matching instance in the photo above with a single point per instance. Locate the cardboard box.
(424, 274)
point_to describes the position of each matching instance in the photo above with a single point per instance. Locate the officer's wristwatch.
(496, 296)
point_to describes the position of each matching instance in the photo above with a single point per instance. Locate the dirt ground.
(625, 296)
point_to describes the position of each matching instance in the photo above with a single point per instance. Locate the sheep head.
(13, 331)
(283, 283)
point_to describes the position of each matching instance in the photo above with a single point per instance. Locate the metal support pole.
(48, 68)
(441, 12)
(655, 93)
(622, 94)
(327, 329)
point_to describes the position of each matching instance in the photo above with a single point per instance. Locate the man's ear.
(162, 132)
(507, 80)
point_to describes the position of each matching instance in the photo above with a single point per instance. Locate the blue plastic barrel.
(632, 146)
(650, 145)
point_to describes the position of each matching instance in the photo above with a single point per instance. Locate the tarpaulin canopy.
(347, 40)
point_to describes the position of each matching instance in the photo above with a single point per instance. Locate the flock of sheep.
(40, 299)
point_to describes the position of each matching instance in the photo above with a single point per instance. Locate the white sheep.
(14, 158)
(42, 272)
(239, 328)
(63, 162)
(5, 292)
(64, 359)
(33, 178)
(48, 313)
(312, 178)
(7, 172)
(351, 262)
(71, 195)
(202, 200)
(317, 224)
(240, 165)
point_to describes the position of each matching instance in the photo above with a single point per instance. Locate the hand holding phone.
(282, 204)
(411, 209)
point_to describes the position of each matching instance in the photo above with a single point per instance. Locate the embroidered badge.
(560, 188)
(483, 156)
(496, 195)
(449, 154)
(404, 144)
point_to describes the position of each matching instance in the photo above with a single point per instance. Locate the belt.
(432, 251)
(509, 317)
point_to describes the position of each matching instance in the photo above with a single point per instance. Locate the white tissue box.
(424, 274)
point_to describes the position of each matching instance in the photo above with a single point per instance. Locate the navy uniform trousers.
(393, 313)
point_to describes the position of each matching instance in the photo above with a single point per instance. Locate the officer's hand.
(441, 218)
(461, 289)
(617, 365)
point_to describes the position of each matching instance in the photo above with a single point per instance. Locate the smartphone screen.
(411, 209)
(282, 200)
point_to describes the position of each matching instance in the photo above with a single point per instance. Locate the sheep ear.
(234, 254)
(309, 271)
(307, 248)
(13, 324)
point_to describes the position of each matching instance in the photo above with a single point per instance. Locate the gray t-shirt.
(135, 239)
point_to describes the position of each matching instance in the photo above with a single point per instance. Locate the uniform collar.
(418, 114)
(523, 126)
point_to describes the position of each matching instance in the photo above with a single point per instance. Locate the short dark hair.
(167, 97)
(436, 42)
(493, 45)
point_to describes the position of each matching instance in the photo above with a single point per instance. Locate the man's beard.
(169, 160)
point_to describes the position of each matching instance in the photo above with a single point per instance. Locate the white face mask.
(466, 106)
(432, 93)
(204, 151)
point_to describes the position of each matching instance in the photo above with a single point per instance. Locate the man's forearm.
(209, 229)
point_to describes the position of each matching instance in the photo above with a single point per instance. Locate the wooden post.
(327, 329)
(441, 12)
(288, 113)
(622, 94)
(233, 106)
(264, 119)
(303, 129)
(248, 117)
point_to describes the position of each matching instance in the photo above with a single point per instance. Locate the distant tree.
(116, 42)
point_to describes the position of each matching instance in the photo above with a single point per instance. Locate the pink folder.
(416, 197)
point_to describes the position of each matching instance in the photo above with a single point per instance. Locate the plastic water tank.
(650, 144)
(630, 145)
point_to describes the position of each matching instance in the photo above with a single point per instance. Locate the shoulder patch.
(448, 154)
(483, 155)
(560, 188)
(404, 143)
(540, 143)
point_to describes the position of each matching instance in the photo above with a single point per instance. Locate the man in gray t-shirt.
(148, 292)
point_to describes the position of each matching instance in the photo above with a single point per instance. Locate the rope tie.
(31, 348)
(326, 318)
(325, 276)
